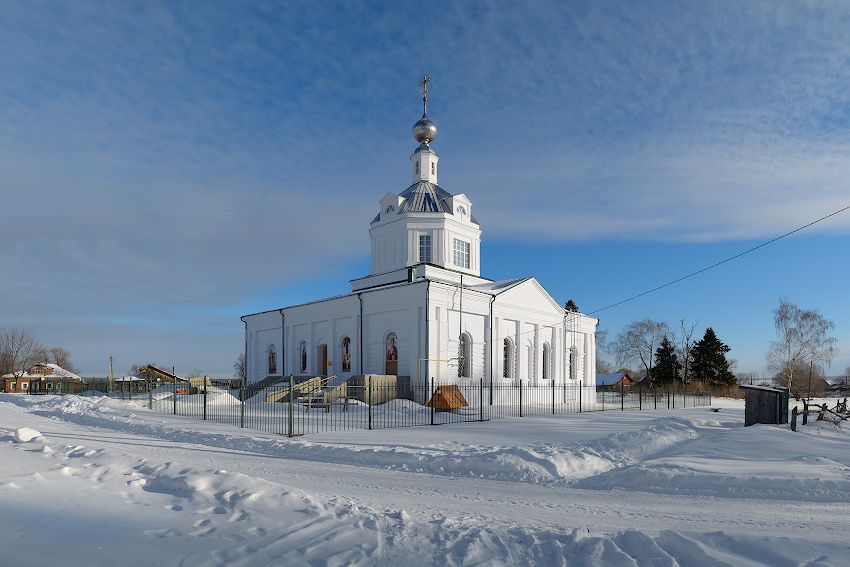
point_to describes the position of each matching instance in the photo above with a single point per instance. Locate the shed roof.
(611, 379)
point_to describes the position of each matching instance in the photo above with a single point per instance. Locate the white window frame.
(461, 253)
(425, 249)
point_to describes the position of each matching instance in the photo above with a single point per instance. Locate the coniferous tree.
(708, 361)
(667, 367)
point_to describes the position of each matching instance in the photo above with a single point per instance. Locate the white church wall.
(262, 330)
(299, 333)
(447, 323)
(265, 339)
(393, 310)
(345, 360)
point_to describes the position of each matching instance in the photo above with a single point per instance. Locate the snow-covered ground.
(99, 481)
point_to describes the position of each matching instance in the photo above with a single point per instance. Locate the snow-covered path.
(110, 481)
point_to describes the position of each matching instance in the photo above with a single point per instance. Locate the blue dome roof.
(425, 197)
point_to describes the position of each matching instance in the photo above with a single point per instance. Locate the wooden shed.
(765, 404)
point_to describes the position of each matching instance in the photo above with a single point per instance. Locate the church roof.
(498, 287)
(425, 197)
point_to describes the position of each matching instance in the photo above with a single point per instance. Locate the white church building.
(425, 312)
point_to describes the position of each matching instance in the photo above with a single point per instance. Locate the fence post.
(205, 398)
(150, 395)
(520, 397)
(640, 397)
(290, 420)
(370, 402)
(622, 396)
(433, 404)
(553, 396)
(481, 399)
(174, 394)
(242, 394)
(580, 392)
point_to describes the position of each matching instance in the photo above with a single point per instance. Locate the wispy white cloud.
(171, 161)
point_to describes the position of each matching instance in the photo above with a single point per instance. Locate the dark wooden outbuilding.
(765, 404)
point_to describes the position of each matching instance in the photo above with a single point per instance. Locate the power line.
(449, 349)
(719, 263)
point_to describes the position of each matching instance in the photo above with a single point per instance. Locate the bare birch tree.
(239, 367)
(637, 343)
(60, 357)
(685, 346)
(802, 337)
(18, 351)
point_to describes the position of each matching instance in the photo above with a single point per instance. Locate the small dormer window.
(390, 208)
(433, 168)
(461, 210)
(417, 168)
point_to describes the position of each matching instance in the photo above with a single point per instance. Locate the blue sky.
(166, 167)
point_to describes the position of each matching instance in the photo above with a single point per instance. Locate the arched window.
(272, 359)
(302, 352)
(547, 362)
(391, 366)
(508, 359)
(464, 356)
(574, 363)
(345, 348)
(529, 349)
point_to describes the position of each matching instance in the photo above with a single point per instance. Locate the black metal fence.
(299, 409)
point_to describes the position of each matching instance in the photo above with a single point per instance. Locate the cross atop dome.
(424, 131)
(424, 84)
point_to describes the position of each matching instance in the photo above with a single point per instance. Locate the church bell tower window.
(424, 247)
(461, 253)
